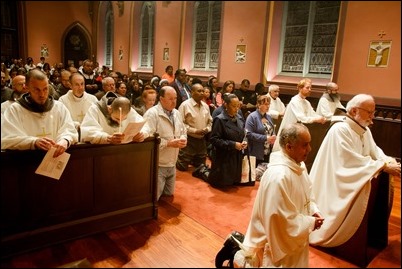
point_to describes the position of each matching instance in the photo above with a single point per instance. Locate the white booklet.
(53, 167)
(132, 129)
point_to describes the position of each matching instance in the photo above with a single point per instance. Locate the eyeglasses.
(368, 111)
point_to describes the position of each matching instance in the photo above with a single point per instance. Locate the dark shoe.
(250, 183)
(181, 167)
(202, 172)
(230, 247)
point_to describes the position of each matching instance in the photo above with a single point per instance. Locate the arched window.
(308, 38)
(109, 35)
(147, 35)
(207, 28)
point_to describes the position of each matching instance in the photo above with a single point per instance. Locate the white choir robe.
(298, 110)
(346, 162)
(77, 106)
(327, 108)
(281, 219)
(276, 107)
(21, 127)
(95, 128)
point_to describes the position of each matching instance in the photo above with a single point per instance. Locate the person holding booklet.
(106, 122)
(36, 121)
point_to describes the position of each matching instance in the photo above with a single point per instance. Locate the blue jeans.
(166, 180)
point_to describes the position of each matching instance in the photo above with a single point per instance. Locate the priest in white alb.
(347, 161)
(284, 212)
(106, 120)
(37, 121)
(77, 100)
(299, 109)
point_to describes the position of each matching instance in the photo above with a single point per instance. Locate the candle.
(120, 121)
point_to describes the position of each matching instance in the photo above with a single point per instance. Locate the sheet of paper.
(132, 129)
(53, 167)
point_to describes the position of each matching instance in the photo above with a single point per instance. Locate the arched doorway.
(76, 46)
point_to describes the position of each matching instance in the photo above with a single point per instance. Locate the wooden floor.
(176, 240)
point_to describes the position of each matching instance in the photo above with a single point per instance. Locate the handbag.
(248, 170)
(259, 171)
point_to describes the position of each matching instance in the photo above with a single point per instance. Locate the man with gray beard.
(329, 101)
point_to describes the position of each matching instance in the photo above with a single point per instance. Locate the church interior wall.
(46, 23)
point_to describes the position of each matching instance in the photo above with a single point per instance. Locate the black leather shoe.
(202, 172)
(227, 253)
(181, 168)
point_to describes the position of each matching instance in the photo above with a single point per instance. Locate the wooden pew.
(317, 132)
(103, 187)
(372, 235)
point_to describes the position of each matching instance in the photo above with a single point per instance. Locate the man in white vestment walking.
(284, 212)
(37, 121)
(341, 174)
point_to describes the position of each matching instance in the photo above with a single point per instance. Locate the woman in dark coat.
(228, 141)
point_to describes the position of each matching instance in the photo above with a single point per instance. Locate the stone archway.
(77, 45)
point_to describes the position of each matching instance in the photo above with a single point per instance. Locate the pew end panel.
(372, 235)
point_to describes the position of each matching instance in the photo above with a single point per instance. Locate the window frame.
(109, 34)
(308, 46)
(150, 7)
(208, 50)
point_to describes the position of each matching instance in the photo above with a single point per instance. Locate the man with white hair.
(346, 163)
(277, 107)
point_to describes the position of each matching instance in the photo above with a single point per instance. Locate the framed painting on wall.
(44, 51)
(166, 54)
(240, 56)
(379, 52)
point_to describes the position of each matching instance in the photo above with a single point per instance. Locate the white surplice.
(298, 110)
(282, 219)
(326, 107)
(95, 128)
(78, 106)
(346, 162)
(20, 127)
(276, 107)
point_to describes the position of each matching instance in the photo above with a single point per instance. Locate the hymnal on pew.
(132, 129)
